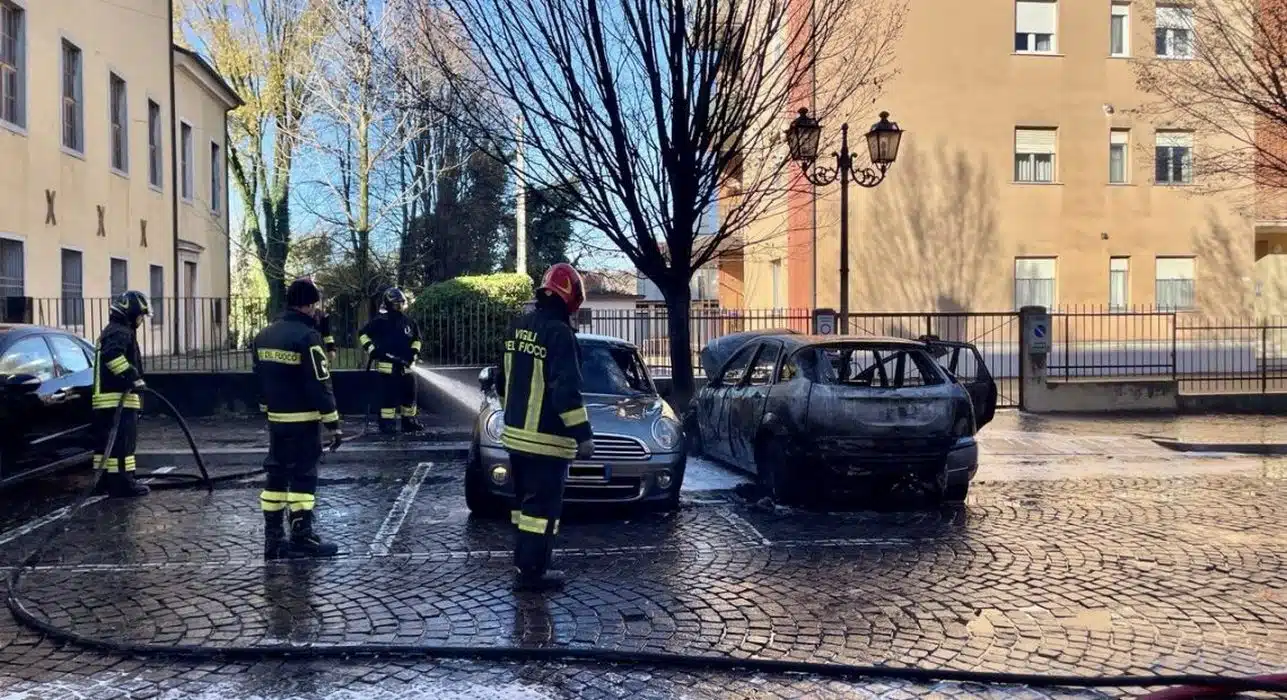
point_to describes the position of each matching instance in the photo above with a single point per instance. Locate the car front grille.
(618, 448)
(618, 489)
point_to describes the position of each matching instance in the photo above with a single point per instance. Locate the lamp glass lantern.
(803, 137)
(883, 141)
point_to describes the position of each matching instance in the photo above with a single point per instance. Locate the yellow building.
(1024, 177)
(94, 198)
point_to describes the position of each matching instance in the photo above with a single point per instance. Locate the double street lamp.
(882, 148)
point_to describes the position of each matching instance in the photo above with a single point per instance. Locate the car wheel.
(478, 496)
(956, 493)
(693, 436)
(777, 476)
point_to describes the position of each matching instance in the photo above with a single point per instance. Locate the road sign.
(1037, 332)
(824, 322)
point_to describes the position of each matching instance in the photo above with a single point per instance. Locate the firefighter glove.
(140, 384)
(585, 449)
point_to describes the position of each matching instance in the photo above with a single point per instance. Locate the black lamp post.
(882, 148)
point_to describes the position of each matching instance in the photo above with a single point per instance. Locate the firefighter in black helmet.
(546, 425)
(323, 320)
(295, 383)
(118, 371)
(393, 341)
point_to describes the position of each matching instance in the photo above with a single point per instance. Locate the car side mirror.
(487, 379)
(21, 383)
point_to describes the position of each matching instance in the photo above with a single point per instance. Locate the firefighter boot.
(304, 542)
(124, 485)
(533, 581)
(276, 546)
(411, 425)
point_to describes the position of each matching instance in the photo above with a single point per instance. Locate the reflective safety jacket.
(390, 334)
(324, 328)
(294, 376)
(541, 387)
(117, 365)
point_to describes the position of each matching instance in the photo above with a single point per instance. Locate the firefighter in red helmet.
(546, 425)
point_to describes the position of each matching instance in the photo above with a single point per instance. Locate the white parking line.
(398, 513)
(159, 470)
(11, 535)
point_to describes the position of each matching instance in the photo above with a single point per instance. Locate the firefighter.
(546, 425)
(393, 341)
(295, 383)
(118, 370)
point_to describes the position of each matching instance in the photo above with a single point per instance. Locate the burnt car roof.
(604, 340)
(717, 351)
(803, 340)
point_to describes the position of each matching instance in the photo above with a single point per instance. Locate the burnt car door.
(746, 402)
(713, 406)
(964, 363)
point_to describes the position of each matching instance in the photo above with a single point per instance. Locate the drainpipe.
(813, 201)
(174, 181)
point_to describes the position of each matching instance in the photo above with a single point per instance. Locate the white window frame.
(1120, 140)
(1030, 261)
(1030, 144)
(1020, 25)
(1123, 10)
(1173, 140)
(216, 177)
(22, 241)
(1119, 266)
(1160, 24)
(19, 71)
(123, 132)
(187, 166)
(155, 147)
(111, 261)
(1158, 280)
(78, 98)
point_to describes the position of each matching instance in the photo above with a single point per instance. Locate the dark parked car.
(46, 382)
(814, 416)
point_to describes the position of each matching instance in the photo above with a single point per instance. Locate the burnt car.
(815, 416)
(638, 443)
(46, 384)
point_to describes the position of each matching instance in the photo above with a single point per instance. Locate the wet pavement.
(1076, 552)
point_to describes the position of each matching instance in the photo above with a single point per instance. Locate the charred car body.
(827, 415)
(638, 444)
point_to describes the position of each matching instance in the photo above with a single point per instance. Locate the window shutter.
(1119, 136)
(1174, 139)
(1034, 140)
(1175, 268)
(1174, 17)
(1035, 16)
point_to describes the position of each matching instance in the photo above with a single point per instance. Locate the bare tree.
(1232, 93)
(266, 49)
(662, 109)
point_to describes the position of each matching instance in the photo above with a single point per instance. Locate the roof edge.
(229, 95)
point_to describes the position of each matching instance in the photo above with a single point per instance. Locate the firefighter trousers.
(121, 458)
(538, 492)
(397, 395)
(290, 481)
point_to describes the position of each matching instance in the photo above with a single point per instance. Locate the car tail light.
(963, 425)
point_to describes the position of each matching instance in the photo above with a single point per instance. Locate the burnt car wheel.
(478, 496)
(776, 475)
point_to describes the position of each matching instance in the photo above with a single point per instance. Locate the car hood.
(607, 410)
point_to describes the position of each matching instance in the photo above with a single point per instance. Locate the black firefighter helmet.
(131, 306)
(395, 299)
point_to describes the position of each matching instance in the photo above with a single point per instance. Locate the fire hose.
(1179, 685)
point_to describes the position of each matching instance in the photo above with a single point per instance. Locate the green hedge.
(463, 320)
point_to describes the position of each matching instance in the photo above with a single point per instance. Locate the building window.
(1034, 282)
(156, 290)
(216, 178)
(1034, 26)
(13, 68)
(120, 123)
(1173, 158)
(1119, 30)
(154, 167)
(777, 283)
(1173, 32)
(73, 104)
(1118, 162)
(185, 162)
(12, 269)
(73, 300)
(1119, 270)
(1175, 284)
(1034, 155)
(120, 277)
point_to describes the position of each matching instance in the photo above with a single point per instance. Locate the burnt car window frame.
(773, 370)
(752, 349)
(879, 364)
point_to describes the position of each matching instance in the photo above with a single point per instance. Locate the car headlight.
(666, 433)
(495, 424)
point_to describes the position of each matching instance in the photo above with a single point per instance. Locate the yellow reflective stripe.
(321, 366)
(365, 341)
(528, 523)
(388, 413)
(111, 399)
(513, 516)
(302, 501)
(509, 357)
(411, 410)
(541, 438)
(415, 345)
(384, 367)
(298, 417)
(271, 506)
(516, 445)
(331, 417)
(535, 396)
(98, 373)
(119, 366)
(328, 339)
(575, 417)
(130, 463)
(285, 357)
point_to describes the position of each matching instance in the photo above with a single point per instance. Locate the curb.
(1247, 448)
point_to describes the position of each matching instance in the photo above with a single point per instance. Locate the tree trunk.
(678, 306)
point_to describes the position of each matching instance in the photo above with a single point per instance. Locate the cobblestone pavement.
(1067, 561)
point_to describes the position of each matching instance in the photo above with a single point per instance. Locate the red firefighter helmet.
(565, 282)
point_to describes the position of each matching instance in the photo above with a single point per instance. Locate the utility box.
(1036, 330)
(824, 321)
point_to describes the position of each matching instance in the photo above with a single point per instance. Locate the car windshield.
(875, 366)
(615, 370)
